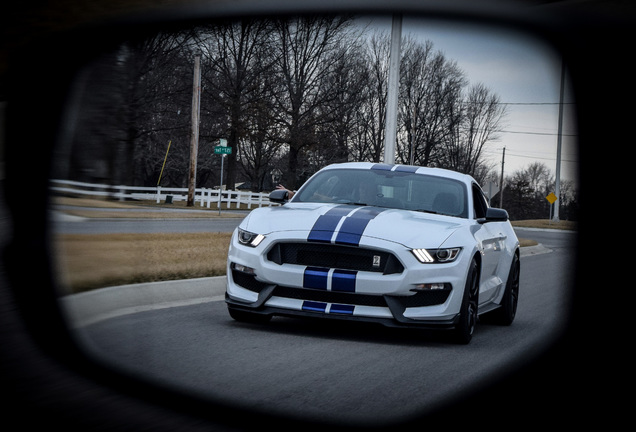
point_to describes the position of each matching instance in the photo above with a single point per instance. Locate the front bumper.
(271, 288)
(394, 317)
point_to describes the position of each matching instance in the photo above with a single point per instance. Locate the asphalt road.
(71, 225)
(330, 370)
(64, 224)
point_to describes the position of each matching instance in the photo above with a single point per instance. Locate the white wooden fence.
(202, 196)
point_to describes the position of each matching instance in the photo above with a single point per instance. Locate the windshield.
(391, 189)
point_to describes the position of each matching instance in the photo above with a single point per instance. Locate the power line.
(539, 157)
(536, 133)
(522, 103)
(527, 133)
(527, 156)
(535, 103)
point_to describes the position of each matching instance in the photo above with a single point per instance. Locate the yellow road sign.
(551, 198)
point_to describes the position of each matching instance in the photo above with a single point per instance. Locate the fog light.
(243, 269)
(429, 287)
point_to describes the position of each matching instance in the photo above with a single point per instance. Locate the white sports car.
(393, 244)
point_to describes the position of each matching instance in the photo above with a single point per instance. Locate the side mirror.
(279, 196)
(494, 215)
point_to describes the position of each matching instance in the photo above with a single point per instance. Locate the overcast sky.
(525, 73)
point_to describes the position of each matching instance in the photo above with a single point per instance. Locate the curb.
(93, 306)
(533, 250)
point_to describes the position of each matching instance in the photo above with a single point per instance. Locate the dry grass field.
(545, 223)
(99, 260)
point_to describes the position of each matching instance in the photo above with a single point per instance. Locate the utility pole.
(413, 124)
(555, 216)
(194, 136)
(501, 185)
(390, 134)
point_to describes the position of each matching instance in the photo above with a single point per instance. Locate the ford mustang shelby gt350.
(393, 244)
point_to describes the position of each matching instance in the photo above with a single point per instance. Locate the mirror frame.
(36, 99)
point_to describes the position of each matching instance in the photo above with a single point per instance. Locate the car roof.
(439, 172)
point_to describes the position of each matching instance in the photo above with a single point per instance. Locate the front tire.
(469, 308)
(505, 315)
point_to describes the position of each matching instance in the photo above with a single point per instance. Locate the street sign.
(551, 198)
(222, 150)
(222, 142)
(490, 189)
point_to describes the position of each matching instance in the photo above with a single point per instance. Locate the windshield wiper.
(347, 202)
(426, 211)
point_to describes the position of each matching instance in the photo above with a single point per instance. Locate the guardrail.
(202, 196)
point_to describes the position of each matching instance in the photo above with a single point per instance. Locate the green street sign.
(222, 150)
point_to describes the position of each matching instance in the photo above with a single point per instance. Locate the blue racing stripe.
(316, 278)
(352, 228)
(344, 280)
(326, 224)
(314, 306)
(341, 309)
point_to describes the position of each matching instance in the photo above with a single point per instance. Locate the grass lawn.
(89, 261)
(544, 223)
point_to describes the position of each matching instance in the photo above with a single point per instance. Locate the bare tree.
(148, 84)
(480, 120)
(262, 142)
(527, 188)
(375, 108)
(93, 152)
(430, 89)
(345, 91)
(538, 176)
(235, 61)
(311, 90)
(304, 58)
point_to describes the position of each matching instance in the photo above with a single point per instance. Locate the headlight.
(433, 256)
(249, 238)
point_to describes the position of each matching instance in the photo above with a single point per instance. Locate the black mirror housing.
(279, 196)
(494, 215)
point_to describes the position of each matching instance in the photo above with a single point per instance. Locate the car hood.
(350, 225)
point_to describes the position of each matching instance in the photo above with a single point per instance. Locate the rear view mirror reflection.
(142, 219)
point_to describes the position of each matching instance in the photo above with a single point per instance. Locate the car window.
(401, 190)
(479, 202)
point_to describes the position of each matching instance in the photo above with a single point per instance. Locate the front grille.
(423, 298)
(335, 256)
